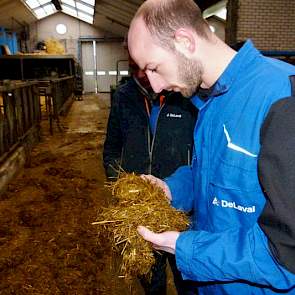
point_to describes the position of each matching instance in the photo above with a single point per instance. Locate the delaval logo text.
(171, 115)
(233, 205)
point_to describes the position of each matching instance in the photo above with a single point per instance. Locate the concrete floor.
(91, 116)
(52, 204)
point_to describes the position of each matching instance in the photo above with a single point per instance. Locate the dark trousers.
(158, 285)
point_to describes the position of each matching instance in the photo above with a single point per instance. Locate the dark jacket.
(277, 176)
(129, 143)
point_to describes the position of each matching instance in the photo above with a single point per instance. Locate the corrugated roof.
(109, 15)
(14, 15)
(115, 15)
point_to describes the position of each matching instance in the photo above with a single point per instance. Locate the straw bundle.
(53, 46)
(138, 202)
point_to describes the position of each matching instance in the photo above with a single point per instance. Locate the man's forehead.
(138, 30)
(139, 42)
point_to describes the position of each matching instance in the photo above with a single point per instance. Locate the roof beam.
(56, 4)
(121, 4)
(118, 11)
(116, 22)
(136, 2)
(113, 15)
(6, 3)
(205, 4)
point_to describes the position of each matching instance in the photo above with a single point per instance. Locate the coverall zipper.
(153, 141)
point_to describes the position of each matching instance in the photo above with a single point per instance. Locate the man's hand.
(165, 241)
(160, 183)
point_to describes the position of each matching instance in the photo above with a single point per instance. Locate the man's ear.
(185, 42)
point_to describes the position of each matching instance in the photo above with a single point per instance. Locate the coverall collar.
(247, 53)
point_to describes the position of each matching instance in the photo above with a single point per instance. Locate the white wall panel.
(45, 29)
(107, 55)
(88, 67)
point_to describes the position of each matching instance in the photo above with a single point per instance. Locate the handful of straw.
(138, 202)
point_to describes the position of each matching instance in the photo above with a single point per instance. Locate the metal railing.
(19, 113)
(57, 93)
(62, 90)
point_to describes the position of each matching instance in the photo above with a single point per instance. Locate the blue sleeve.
(180, 184)
(235, 254)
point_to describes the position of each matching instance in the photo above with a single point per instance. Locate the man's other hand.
(165, 241)
(158, 182)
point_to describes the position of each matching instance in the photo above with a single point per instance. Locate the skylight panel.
(85, 17)
(40, 12)
(84, 8)
(33, 3)
(49, 9)
(69, 2)
(41, 8)
(69, 10)
(221, 13)
(90, 2)
(42, 2)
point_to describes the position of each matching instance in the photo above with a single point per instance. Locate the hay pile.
(138, 202)
(54, 46)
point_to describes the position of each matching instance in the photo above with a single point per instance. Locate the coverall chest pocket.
(234, 190)
(234, 164)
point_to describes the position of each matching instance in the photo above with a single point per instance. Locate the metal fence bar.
(56, 93)
(19, 112)
(62, 91)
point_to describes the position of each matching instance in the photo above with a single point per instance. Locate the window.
(41, 8)
(113, 73)
(82, 9)
(61, 29)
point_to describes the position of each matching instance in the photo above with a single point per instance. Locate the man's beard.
(189, 73)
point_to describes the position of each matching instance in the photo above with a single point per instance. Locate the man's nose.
(157, 84)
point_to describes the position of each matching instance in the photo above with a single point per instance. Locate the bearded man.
(241, 185)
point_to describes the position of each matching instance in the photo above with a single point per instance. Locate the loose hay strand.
(137, 202)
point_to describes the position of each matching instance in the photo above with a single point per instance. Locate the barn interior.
(61, 61)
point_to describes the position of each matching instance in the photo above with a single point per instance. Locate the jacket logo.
(236, 147)
(171, 115)
(216, 202)
(233, 205)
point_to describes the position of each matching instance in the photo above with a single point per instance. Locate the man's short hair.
(164, 17)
